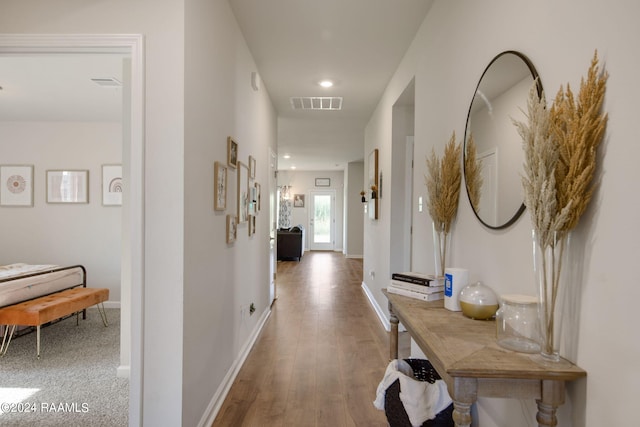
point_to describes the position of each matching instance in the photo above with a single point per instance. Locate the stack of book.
(416, 285)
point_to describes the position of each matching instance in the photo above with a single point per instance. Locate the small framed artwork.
(232, 228)
(253, 200)
(16, 185)
(252, 167)
(67, 186)
(220, 186)
(298, 201)
(112, 185)
(252, 225)
(243, 192)
(232, 153)
(323, 182)
(373, 184)
(258, 196)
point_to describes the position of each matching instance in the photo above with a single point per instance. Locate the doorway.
(132, 261)
(322, 220)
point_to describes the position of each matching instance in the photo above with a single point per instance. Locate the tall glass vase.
(441, 248)
(550, 253)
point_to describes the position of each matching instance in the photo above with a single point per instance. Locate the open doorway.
(132, 169)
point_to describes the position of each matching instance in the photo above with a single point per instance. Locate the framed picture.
(298, 201)
(323, 182)
(232, 228)
(112, 185)
(373, 184)
(67, 186)
(253, 200)
(232, 153)
(220, 186)
(252, 225)
(16, 187)
(243, 192)
(258, 196)
(252, 167)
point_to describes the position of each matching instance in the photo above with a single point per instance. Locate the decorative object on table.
(16, 185)
(478, 301)
(517, 326)
(232, 228)
(443, 185)
(232, 153)
(243, 193)
(372, 174)
(67, 186)
(473, 173)
(220, 186)
(112, 185)
(560, 147)
(455, 279)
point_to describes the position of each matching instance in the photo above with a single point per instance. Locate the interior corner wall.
(64, 234)
(447, 66)
(158, 399)
(354, 212)
(303, 182)
(221, 280)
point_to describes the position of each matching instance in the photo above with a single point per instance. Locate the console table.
(467, 357)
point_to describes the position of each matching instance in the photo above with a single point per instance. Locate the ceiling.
(357, 44)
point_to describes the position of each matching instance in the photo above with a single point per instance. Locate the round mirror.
(495, 156)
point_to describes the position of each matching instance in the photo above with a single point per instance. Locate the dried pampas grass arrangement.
(560, 146)
(443, 186)
(473, 173)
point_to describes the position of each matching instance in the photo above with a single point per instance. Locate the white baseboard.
(382, 314)
(354, 256)
(112, 304)
(214, 406)
(123, 371)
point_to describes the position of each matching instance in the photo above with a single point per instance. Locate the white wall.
(354, 212)
(303, 182)
(453, 47)
(87, 234)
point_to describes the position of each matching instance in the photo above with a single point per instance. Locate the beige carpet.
(73, 383)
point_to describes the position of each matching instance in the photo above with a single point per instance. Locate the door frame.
(322, 246)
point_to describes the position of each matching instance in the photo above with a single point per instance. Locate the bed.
(22, 282)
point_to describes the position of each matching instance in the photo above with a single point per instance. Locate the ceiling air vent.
(316, 103)
(107, 82)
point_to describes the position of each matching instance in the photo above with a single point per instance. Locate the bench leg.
(103, 313)
(3, 349)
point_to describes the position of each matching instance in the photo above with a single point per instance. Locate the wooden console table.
(467, 357)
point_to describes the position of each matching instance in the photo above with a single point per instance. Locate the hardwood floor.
(320, 356)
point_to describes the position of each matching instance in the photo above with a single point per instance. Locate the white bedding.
(24, 288)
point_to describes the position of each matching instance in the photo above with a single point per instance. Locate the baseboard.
(218, 398)
(112, 304)
(354, 256)
(123, 371)
(382, 315)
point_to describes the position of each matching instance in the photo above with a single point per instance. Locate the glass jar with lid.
(517, 323)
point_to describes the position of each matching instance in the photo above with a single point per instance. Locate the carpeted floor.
(73, 383)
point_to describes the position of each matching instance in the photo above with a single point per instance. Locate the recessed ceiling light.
(293, 167)
(286, 156)
(326, 83)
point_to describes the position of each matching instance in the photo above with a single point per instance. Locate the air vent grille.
(316, 103)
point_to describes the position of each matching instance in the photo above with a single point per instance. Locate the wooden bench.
(38, 311)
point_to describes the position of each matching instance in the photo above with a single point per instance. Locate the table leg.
(464, 395)
(552, 397)
(393, 337)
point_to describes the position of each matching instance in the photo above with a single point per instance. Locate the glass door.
(322, 220)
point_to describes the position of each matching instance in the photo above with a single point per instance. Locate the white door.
(322, 220)
(273, 209)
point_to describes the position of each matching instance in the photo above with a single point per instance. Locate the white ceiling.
(295, 43)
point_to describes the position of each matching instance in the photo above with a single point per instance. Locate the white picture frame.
(243, 193)
(67, 186)
(220, 186)
(112, 186)
(16, 185)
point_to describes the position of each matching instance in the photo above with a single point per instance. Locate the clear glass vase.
(441, 248)
(551, 266)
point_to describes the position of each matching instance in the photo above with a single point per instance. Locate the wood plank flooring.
(320, 356)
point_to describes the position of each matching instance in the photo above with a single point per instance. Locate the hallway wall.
(452, 48)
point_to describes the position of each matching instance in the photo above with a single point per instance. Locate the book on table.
(417, 295)
(417, 278)
(416, 288)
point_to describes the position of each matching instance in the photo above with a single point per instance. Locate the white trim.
(355, 256)
(220, 395)
(121, 43)
(382, 314)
